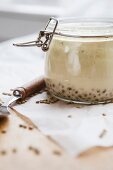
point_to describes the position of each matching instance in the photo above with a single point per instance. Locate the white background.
(23, 17)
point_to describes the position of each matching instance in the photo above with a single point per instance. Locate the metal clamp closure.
(44, 38)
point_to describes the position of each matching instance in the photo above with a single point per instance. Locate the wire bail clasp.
(44, 38)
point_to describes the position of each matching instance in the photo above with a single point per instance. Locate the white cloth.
(75, 129)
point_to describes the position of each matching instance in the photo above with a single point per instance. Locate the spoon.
(22, 93)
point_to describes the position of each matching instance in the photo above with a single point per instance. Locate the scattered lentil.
(35, 150)
(30, 148)
(69, 116)
(30, 128)
(103, 133)
(22, 126)
(49, 100)
(14, 150)
(56, 152)
(3, 131)
(3, 152)
(7, 94)
(103, 114)
(21, 101)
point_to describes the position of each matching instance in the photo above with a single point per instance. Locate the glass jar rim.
(83, 27)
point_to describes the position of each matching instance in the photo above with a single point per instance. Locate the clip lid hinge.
(44, 38)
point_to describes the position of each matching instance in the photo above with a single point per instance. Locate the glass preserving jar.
(79, 59)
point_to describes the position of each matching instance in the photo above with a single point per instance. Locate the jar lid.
(72, 27)
(77, 27)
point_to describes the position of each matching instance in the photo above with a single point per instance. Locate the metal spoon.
(21, 93)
